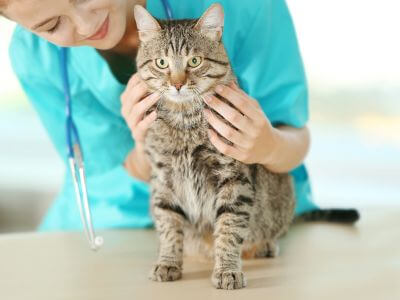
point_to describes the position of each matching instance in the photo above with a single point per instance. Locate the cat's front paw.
(161, 272)
(228, 280)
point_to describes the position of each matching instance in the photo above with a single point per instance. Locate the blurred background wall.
(30, 170)
(351, 55)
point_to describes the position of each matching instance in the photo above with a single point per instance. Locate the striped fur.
(202, 200)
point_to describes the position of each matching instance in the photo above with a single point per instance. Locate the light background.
(351, 55)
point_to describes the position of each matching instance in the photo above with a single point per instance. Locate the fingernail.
(219, 88)
(156, 95)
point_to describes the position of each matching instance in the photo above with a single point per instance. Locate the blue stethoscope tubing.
(75, 159)
(167, 8)
(74, 150)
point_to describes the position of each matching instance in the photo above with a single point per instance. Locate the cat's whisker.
(162, 93)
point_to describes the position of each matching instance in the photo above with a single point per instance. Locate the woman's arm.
(291, 147)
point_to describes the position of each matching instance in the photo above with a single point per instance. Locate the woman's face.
(97, 23)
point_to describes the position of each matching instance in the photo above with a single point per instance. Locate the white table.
(318, 261)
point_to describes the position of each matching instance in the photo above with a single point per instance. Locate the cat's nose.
(178, 85)
(178, 79)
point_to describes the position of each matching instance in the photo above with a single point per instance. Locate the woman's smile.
(101, 24)
(102, 32)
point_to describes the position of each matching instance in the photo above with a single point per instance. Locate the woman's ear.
(211, 22)
(146, 24)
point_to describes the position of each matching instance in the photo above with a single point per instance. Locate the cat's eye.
(162, 63)
(195, 61)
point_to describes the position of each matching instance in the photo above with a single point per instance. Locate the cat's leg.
(169, 219)
(234, 209)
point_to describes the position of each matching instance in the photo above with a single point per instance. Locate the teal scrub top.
(261, 43)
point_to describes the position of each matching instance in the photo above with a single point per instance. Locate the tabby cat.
(202, 199)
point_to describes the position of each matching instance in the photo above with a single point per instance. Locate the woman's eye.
(161, 63)
(54, 28)
(195, 61)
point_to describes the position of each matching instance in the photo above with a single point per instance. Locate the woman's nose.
(86, 23)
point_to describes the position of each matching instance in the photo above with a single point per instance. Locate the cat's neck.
(181, 116)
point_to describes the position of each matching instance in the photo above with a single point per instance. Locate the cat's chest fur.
(184, 161)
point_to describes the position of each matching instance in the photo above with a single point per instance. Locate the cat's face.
(185, 58)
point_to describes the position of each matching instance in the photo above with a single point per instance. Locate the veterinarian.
(108, 106)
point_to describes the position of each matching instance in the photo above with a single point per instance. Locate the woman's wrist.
(274, 147)
(289, 149)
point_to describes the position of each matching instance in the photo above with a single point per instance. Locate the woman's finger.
(238, 120)
(144, 125)
(133, 96)
(234, 86)
(224, 148)
(133, 81)
(237, 88)
(140, 108)
(227, 131)
(238, 100)
(137, 93)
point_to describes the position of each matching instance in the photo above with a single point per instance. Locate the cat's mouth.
(183, 95)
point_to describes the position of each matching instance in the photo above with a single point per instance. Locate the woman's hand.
(256, 139)
(135, 102)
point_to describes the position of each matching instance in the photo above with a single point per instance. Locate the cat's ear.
(146, 24)
(211, 22)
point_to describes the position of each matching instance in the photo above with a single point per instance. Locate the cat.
(202, 200)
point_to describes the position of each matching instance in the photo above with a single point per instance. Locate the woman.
(260, 41)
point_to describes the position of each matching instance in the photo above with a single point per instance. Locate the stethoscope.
(75, 154)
